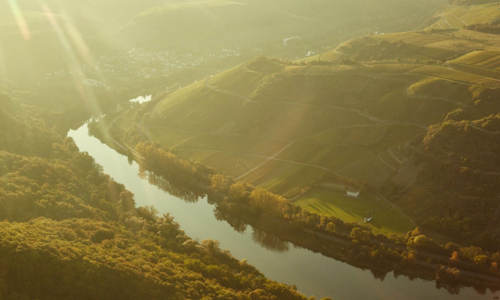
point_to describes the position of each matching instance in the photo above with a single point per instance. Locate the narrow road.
(118, 143)
(395, 158)
(420, 261)
(487, 173)
(207, 84)
(459, 19)
(398, 209)
(385, 163)
(262, 156)
(264, 162)
(471, 124)
(357, 111)
(435, 98)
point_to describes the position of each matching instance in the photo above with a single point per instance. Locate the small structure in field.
(352, 193)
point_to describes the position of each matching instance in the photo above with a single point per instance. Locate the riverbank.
(309, 270)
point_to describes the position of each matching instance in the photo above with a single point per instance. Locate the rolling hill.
(410, 115)
(69, 231)
(216, 24)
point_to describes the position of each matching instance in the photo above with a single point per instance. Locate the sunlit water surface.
(313, 273)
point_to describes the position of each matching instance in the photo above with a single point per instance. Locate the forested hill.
(68, 231)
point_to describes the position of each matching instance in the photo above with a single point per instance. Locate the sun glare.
(20, 20)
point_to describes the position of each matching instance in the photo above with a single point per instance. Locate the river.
(312, 273)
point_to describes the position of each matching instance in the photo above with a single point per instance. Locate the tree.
(494, 267)
(480, 260)
(127, 202)
(412, 258)
(360, 234)
(331, 227)
(421, 240)
(101, 235)
(220, 183)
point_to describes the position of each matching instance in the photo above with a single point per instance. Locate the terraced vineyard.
(456, 17)
(354, 114)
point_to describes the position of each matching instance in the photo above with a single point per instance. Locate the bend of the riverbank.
(339, 245)
(312, 272)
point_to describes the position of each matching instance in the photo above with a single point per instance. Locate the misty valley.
(246, 150)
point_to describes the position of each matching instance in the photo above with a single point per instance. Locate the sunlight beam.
(21, 22)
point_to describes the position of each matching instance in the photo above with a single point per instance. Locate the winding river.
(313, 273)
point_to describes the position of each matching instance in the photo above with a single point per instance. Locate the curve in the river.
(313, 273)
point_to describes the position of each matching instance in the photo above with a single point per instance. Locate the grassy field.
(241, 80)
(369, 169)
(328, 156)
(459, 16)
(287, 179)
(392, 68)
(228, 164)
(385, 219)
(444, 89)
(477, 70)
(479, 58)
(443, 72)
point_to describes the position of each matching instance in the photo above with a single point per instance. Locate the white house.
(352, 193)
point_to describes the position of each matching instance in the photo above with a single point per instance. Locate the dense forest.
(71, 231)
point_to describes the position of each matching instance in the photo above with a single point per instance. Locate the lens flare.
(74, 64)
(21, 22)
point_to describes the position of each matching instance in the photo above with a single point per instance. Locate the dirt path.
(459, 19)
(264, 162)
(208, 85)
(118, 143)
(419, 261)
(435, 98)
(487, 173)
(385, 163)
(357, 111)
(486, 131)
(398, 209)
(262, 156)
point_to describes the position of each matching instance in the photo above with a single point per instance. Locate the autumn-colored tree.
(360, 234)
(331, 227)
(494, 267)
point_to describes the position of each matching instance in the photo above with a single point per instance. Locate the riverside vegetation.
(408, 115)
(68, 230)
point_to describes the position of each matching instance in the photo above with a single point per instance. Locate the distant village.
(139, 64)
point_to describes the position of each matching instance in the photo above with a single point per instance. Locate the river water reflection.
(313, 273)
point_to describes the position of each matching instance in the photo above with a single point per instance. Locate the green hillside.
(464, 13)
(357, 115)
(69, 231)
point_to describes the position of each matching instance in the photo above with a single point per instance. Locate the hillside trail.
(119, 143)
(262, 156)
(435, 98)
(487, 173)
(208, 85)
(359, 112)
(264, 162)
(385, 163)
(471, 124)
